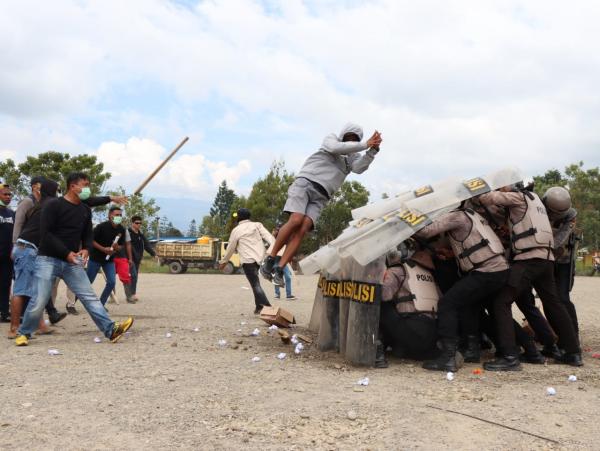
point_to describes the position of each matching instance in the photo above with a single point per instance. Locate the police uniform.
(410, 297)
(563, 230)
(533, 265)
(480, 256)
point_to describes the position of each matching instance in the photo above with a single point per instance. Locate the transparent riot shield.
(317, 310)
(363, 291)
(370, 237)
(328, 338)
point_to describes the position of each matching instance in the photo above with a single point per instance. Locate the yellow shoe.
(21, 340)
(119, 329)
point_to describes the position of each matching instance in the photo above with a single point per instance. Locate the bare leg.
(295, 242)
(16, 309)
(292, 225)
(42, 327)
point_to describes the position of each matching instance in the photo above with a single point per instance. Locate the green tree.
(192, 229)
(268, 195)
(338, 212)
(220, 211)
(57, 166)
(139, 205)
(584, 187)
(10, 174)
(551, 178)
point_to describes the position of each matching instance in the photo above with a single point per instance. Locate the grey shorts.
(304, 198)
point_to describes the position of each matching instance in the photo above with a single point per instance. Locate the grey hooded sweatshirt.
(334, 160)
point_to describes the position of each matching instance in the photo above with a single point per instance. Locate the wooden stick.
(496, 424)
(160, 166)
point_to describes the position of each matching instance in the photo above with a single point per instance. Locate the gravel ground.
(185, 391)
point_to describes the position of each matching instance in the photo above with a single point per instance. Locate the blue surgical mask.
(85, 193)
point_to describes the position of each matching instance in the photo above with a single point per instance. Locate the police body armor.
(533, 231)
(422, 293)
(480, 245)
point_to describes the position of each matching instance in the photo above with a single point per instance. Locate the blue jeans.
(287, 276)
(46, 270)
(111, 277)
(24, 269)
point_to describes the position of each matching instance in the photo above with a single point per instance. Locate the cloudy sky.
(456, 87)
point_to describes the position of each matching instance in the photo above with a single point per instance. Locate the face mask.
(117, 220)
(2, 204)
(85, 193)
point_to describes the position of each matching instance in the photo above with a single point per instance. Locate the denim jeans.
(74, 276)
(111, 277)
(287, 276)
(24, 270)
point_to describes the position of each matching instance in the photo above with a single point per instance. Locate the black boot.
(380, 361)
(505, 363)
(472, 353)
(552, 351)
(531, 354)
(572, 359)
(449, 359)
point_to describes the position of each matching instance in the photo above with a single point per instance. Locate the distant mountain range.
(181, 211)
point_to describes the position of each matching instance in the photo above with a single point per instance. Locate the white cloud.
(455, 87)
(186, 175)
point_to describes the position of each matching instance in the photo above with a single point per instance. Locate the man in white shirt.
(248, 239)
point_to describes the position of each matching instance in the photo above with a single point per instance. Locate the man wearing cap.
(319, 178)
(7, 220)
(248, 239)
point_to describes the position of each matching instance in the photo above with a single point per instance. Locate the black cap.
(37, 179)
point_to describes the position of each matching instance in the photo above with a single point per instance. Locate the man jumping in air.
(319, 178)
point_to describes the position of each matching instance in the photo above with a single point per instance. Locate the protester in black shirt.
(65, 240)
(92, 202)
(109, 237)
(7, 220)
(25, 251)
(139, 244)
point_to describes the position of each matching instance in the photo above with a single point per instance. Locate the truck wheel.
(175, 268)
(229, 269)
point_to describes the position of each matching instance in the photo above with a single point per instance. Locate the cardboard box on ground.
(278, 316)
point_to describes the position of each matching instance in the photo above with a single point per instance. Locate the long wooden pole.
(160, 166)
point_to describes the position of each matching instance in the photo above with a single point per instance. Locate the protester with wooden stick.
(65, 240)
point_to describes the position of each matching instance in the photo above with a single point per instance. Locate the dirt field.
(186, 392)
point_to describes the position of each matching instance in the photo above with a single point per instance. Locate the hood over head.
(351, 127)
(49, 188)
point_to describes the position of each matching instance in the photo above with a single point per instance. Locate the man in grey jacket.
(319, 178)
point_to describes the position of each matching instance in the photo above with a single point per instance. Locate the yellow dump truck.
(205, 253)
